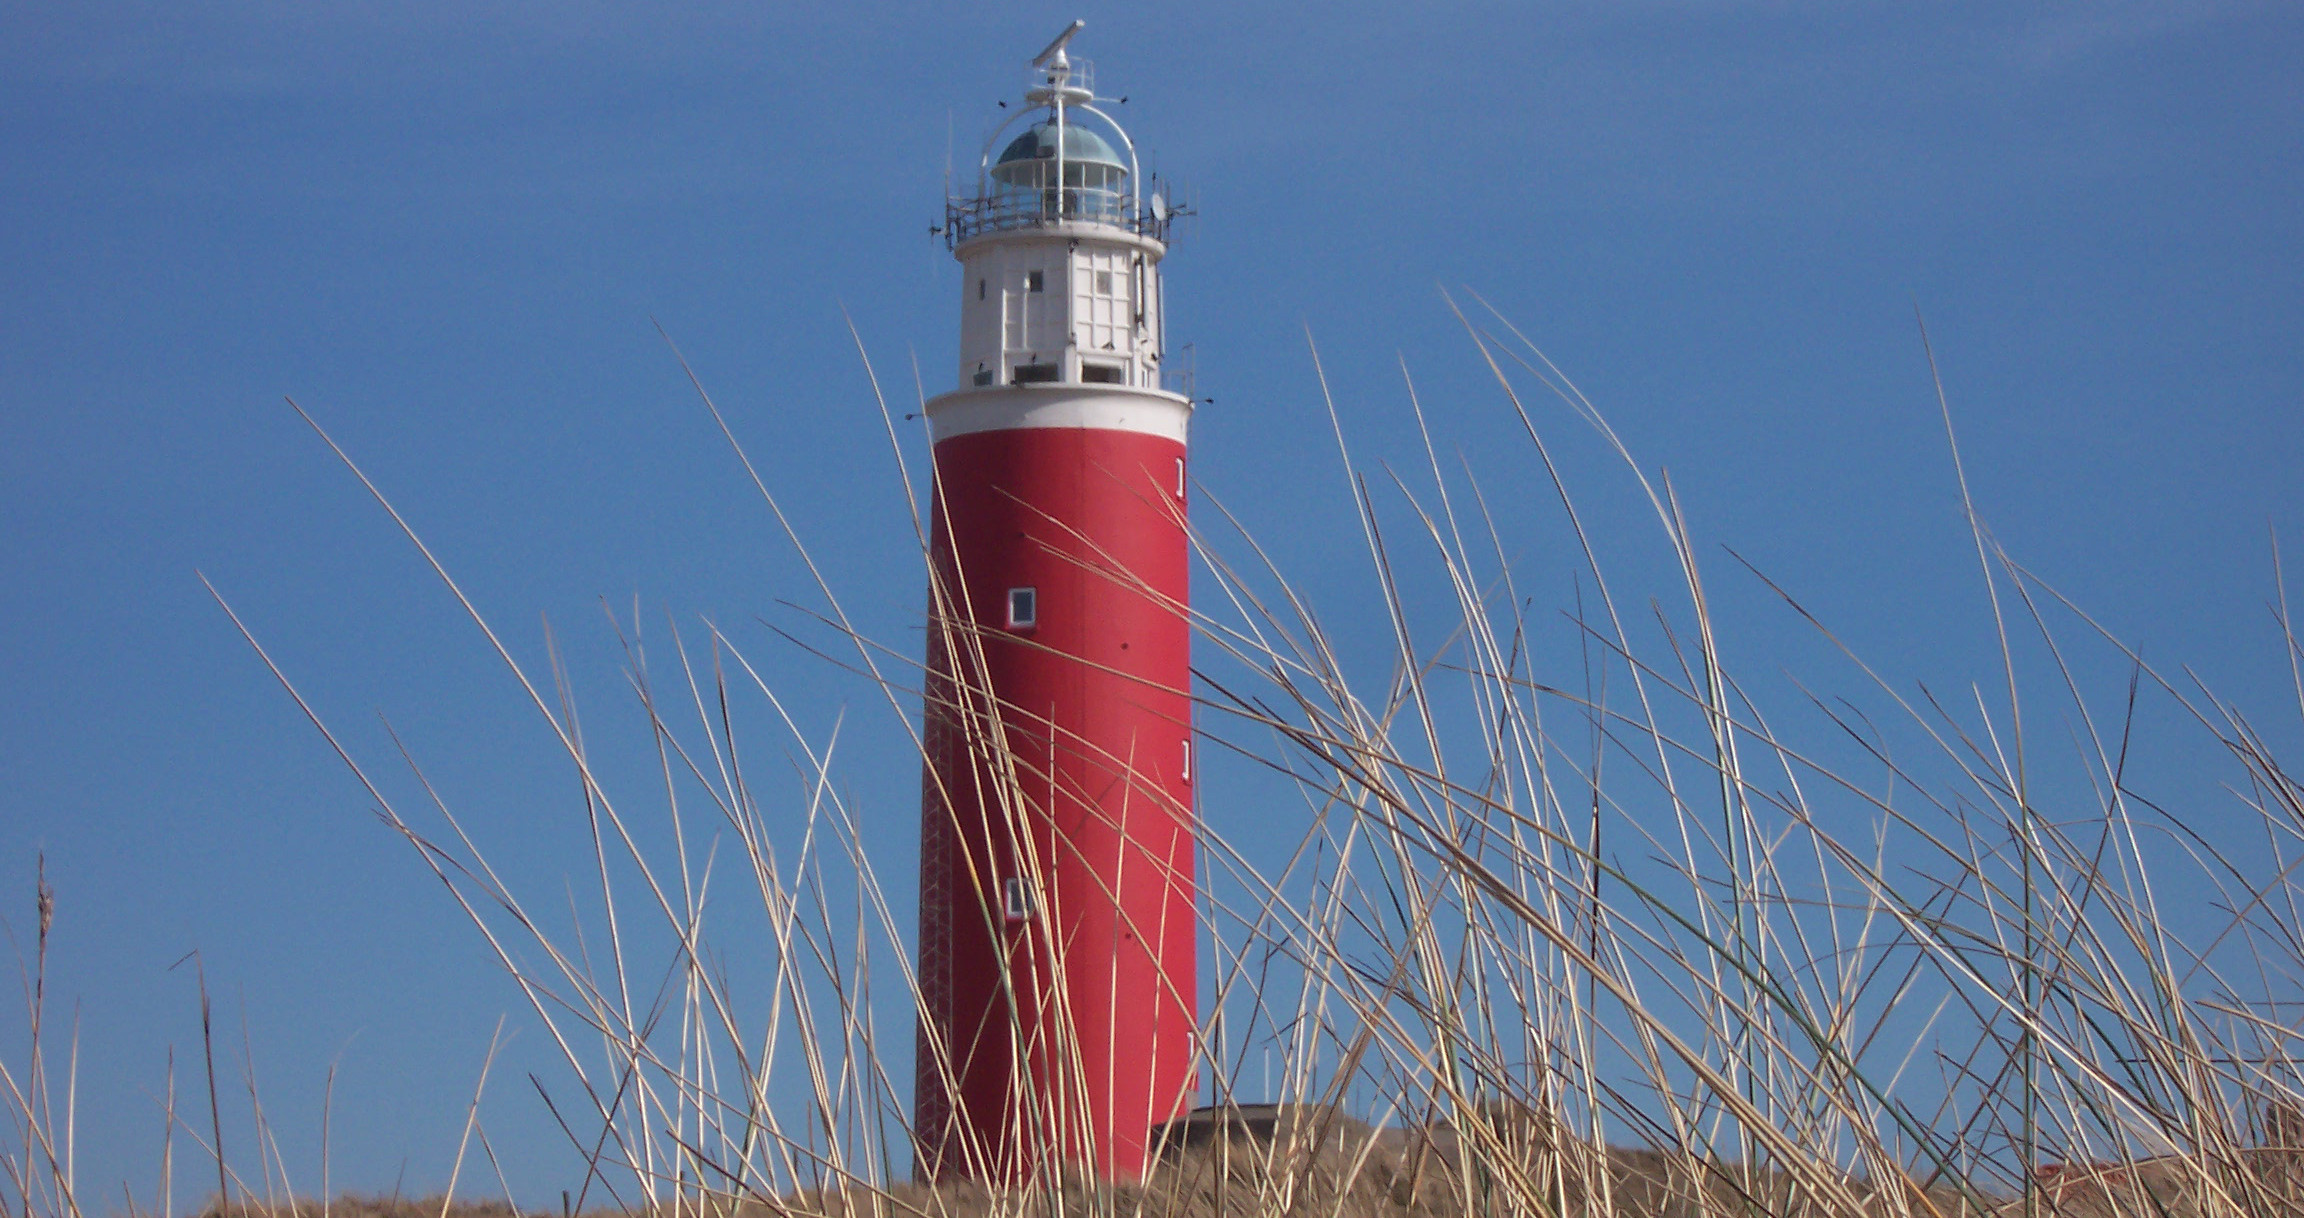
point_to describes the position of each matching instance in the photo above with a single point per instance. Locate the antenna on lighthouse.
(1061, 82)
(1054, 56)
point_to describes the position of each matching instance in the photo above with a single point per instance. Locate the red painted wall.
(1069, 1033)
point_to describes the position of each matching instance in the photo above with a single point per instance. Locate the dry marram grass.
(1579, 918)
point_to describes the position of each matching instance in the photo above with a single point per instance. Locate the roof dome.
(1080, 144)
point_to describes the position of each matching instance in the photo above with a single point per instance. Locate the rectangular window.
(1179, 477)
(979, 289)
(1103, 283)
(1035, 374)
(1101, 374)
(983, 376)
(1034, 282)
(1023, 608)
(1187, 761)
(1016, 901)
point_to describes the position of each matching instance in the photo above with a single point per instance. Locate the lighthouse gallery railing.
(966, 219)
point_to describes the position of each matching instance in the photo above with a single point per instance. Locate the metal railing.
(1005, 211)
(1080, 75)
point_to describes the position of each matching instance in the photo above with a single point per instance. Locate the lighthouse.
(1057, 974)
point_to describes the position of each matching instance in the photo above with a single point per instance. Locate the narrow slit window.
(979, 289)
(1035, 281)
(1179, 477)
(1187, 761)
(1023, 608)
(1016, 901)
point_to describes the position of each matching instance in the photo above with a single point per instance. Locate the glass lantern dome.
(1058, 171)
(1094, 178)
(1029, 161)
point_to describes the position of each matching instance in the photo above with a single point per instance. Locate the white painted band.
(1105, 407)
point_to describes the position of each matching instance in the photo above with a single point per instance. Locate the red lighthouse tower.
(1057, 930)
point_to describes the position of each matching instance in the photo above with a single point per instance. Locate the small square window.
(1016, 902)
(1034, 282)
(1104, 283)
(1023, 608)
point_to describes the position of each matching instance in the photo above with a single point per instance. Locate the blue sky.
(450, 231)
